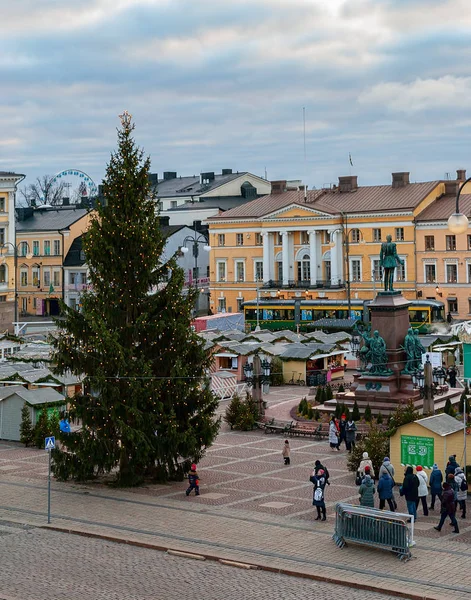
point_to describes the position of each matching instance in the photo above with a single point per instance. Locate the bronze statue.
(375, 352)
(410, 347)
(389, 260)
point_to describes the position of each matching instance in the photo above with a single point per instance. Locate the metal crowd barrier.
(377, 528)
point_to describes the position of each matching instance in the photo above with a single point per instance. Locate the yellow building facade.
(8, 186)
(44, 236)
(317, 244)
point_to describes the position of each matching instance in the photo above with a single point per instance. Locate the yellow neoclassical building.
(319, 244)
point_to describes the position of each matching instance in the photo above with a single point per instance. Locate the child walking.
(286, 452)
(194, 481)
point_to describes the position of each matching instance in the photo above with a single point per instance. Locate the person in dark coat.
(435, 482)
(317, 467)
(350, 434)
(343, 432)
(385, 491)
(410, 489)
(452, 376)
(319, 482)
(367, 491)
(451, 465)
(448, 508)
(194, 481)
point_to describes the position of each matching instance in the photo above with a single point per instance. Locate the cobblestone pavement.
(44, 565)
(252, 508)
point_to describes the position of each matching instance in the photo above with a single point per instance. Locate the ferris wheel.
(76, 184)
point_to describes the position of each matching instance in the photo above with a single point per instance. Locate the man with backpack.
(319, 481)
(462, 490)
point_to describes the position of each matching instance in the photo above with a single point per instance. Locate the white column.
(334, 277)
(285, 257)
(10, 207)
(266, 257)
(313, 254)
(340, 255)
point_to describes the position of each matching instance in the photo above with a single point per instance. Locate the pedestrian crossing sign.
(50, 443)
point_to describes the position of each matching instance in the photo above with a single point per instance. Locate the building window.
(355, 268)
(239, 239)
(57, 247)
(451, 242)
(469, 305)
(258, 269)
(24, 277)
(304, 268)
(258, 239)
(377, 274)
(24, 248)
(3, 298)
(451, 273)
(355, 236)
(240, 270)
(430, 242)
(56, 281)
(399, 234)
(35, 276)
(221, 270)
(47, 248)
(36, 248)
(222, 305)
(240, 302)
(376, 235)
(2, 203)
(2, 236)
(304, 237)
(47, 277)
(221, 239)
(469, 272)
(452, 305)
(401, 272)
(3, 273)
(173, 204)
(430, 273)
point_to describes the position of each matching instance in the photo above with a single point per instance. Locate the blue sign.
(50, 443)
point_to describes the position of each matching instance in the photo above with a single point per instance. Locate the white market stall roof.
(441, 424)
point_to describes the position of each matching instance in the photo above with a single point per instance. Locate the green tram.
(289, 314)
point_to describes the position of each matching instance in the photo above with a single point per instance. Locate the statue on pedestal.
(409, 347)
(389, 260)
(376, 354)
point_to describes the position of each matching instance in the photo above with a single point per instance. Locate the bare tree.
(44, 191)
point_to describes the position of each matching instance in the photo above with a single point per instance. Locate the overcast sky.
(217, 84)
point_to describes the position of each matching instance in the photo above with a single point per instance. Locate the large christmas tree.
(146, 410)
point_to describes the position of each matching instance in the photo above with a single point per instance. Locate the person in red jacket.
(448, 508)
(194, 481)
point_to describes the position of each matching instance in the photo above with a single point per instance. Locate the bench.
(308, 429)
(278, 426)
(262, 424)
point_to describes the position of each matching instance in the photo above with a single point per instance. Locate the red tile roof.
(363, 199)
(441, 209)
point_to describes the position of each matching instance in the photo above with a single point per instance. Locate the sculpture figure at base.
(376, 354)
(389, 260)
(410, 348)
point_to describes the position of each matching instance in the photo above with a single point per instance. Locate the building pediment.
(295, 211)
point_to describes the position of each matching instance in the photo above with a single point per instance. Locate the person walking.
(448, 508)
(286, 452)
(451, 465)
(423, 490)
(333, 435)
(367, 492)
(452, 376)
(319, 482)
(318, 466)
(435, 482)
(410, 489)
(366, 461)
(350, 434)
(462, 491)
(194, 481)
(388, 468)
(385, 491)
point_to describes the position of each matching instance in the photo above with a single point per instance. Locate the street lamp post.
(28, 255)
(195, 240)
(257, 374)
(458, 222)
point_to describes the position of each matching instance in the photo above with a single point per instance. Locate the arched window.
(304, 268)
(355, 236)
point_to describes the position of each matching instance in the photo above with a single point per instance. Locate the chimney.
(227, 172)
(461, 174)
(348, 184)
(451, 187)
(278, 187)
(207, 177)
(169, 175)
(400, 180)
(65, 201)
(153, 178)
